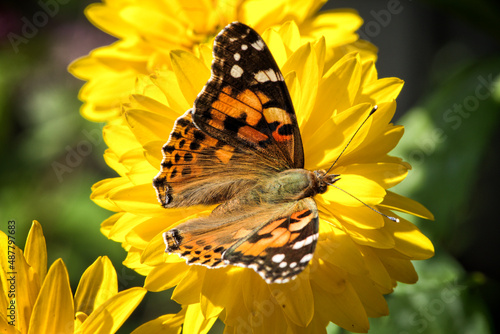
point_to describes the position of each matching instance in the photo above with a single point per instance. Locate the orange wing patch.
(204, 252)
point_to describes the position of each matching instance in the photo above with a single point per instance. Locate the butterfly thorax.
(288, 186)
(293, 185)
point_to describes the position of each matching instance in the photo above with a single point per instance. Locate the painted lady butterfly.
(240, 147)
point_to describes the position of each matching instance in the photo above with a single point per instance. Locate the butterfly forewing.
(199, 169)
(246, 101)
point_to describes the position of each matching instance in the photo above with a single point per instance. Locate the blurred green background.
(446, 51)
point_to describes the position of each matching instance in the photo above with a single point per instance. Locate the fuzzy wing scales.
(246, 101)
(276, 241)
(199, 169)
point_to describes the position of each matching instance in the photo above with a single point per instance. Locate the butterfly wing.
(199, 169)
(240, 129)
(277, 241)
(246, 102)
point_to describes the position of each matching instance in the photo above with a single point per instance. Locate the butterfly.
(240, 147)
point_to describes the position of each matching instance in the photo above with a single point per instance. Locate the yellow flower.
(148, 30)
(360, 255)
(37, 301)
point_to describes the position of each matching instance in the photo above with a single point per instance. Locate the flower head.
(42, 302)
(360, 255)
(147, 31)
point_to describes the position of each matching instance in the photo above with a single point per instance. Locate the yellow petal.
(97, 284)
(342, 79)
(372, 299)
(221, 289)
(53, 311)
(276, 46)
(296, 299)
(169, 84)
(378, 238)
(195, 321)
(21, 282)
(385, 174)
(139, 199)
(382, 90)
(345, 308)
(165, 276)
(101, 190)
(400, 203)
(153, 152)
(110, 315)
(355, 188)
(337, 26)
(328, 276)
(290, 34)
(362, 217)
(141, 234)
(166, 324)
(153, 254)
(148, 126)
(133, 261)
(153, 101)
(191, 73)
(322, 150)
(157, 25)
(410, 241)
(36, 250)
(189, 289)
(108, 224)
(305, 64)
(339, 250)
(6, 324)
(376, 270)
(123, 225)
(401, 270)
(104, 16)
(264, 314)
(260, 17)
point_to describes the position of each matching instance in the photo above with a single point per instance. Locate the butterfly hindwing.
(246, 101)
(276, 241)
(283, 247)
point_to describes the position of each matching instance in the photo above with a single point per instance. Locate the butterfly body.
(287, 186)
(240, 147)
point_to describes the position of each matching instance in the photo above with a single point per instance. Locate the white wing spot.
(244, 46)
(306, 258)
(298, 244)
(293, 265)
(237, 56)
(282, 265)
(309, 239)
(263, 76)
(258, 45)
(278, 258)
(236, 71)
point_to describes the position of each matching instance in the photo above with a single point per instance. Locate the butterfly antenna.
(394, 219)
(350, 140)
